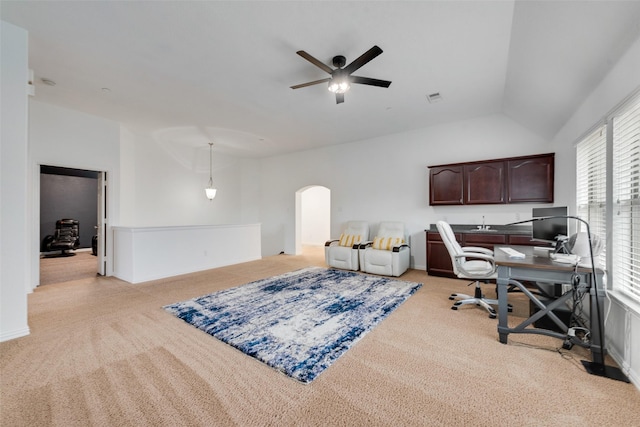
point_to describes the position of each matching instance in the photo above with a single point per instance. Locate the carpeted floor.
(104, 352)
(57, 269)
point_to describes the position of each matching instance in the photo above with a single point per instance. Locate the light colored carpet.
(104, 352)
(82, 265)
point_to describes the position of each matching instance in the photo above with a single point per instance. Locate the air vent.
(434, 97)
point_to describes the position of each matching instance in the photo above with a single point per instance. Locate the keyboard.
(512, 253)
(565, 258)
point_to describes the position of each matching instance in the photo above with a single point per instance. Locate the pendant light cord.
(210, 164)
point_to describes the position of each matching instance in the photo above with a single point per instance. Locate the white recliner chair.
(388, 254)
(343, 252)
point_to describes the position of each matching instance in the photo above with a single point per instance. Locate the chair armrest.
(398, 247)
(366, 244)
(329, 242)
(476, 255)
(477, 249)
(489, 259)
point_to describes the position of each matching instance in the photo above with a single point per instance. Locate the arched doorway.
(313, 216)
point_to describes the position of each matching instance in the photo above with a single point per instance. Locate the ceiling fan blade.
(315, 62)
(369, 81)
(339, 98)
(363, 59)
(311, 83)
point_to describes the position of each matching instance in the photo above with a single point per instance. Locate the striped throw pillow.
(387, 243)
(349, 239)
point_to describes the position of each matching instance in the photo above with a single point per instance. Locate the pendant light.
(210, 191)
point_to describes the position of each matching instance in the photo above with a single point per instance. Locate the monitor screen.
(548, 230)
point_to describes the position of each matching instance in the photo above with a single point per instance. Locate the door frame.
(102, 222)
(299, 219)
(34, 279)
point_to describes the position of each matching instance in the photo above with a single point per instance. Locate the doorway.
(313, 217)
(67, 193)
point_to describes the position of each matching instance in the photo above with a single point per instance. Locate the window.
(591, 183)
(626, 200)
(620, 136)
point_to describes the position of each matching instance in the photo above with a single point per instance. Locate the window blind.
(626, 200)
(591, 180)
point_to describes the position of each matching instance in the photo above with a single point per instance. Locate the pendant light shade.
(210, 191)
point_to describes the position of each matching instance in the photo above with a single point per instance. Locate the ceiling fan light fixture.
(339, 85)
(341, 78)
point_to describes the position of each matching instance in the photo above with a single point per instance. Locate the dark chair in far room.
(65, 238)
(470, 262)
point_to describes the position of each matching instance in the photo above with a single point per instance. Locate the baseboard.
(419, 267)
(10, 335)
(624, 367)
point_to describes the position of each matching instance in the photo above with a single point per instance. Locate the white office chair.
(473, 263)
(388, 254)
(343, 253)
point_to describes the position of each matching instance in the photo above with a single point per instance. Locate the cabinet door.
(484, 183)
(438, 258)
(446, 185)
(531, 179)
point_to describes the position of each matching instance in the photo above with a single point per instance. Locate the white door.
(102, 222)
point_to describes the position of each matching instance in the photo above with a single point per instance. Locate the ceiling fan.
(341, 78)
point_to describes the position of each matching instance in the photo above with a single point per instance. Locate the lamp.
(339, 82)
(210, 191)
(595, 367)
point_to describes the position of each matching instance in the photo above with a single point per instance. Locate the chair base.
(477, 299)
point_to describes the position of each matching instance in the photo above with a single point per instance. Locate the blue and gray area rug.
(300, 322)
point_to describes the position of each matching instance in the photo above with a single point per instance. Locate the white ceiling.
(189, 72)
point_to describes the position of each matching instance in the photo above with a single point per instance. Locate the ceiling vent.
(434, 97)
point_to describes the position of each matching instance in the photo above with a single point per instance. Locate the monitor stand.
(561, 245)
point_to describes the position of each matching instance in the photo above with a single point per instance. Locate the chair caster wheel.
(454, 308)
(451, 298)
(492, 316)
(510, 309)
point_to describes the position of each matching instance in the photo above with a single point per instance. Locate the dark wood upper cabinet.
(446, 185)
(484, 183)
(530, 179)
(526, 179)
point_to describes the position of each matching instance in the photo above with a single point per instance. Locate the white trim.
(624, 300)
(6, 336)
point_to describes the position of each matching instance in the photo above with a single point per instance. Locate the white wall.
(386, 178)
(149, 253)
(68, 138)
(622, 329)
(166, 187)
(14, 271)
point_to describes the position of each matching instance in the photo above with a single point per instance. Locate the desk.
(534, 268)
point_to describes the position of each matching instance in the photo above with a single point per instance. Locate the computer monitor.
(554, 230)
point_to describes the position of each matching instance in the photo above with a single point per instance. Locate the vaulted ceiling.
(188, 72)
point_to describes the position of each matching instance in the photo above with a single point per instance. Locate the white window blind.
(591, 180)
(626, 200)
